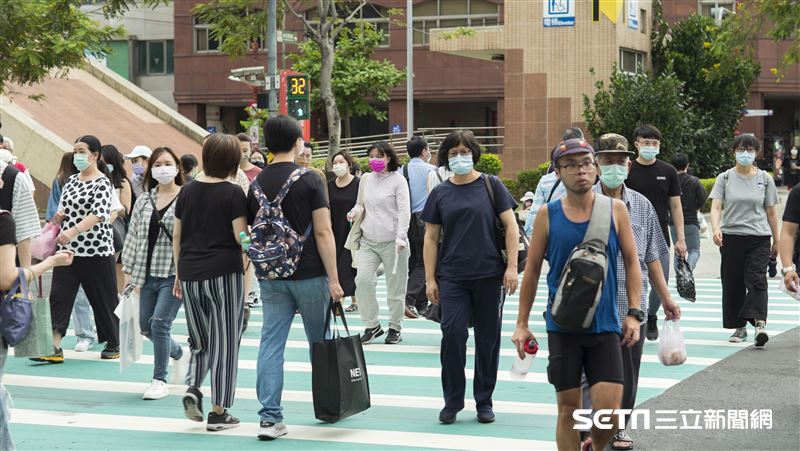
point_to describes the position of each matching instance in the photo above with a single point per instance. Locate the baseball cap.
(139, 151)
(613, 143)
(571, 147)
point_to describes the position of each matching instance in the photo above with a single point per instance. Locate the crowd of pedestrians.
(445, 237)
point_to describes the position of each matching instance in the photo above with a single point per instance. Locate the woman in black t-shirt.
(210, 213)
(343, 194)
(148, 261)
(8, 275)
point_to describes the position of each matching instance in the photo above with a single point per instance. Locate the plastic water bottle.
(245, 240)
(520, 367)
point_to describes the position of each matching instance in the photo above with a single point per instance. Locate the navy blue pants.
(482, 301)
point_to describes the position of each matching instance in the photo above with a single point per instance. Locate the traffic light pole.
(272, 57)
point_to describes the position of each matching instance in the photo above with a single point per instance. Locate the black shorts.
(599, 355)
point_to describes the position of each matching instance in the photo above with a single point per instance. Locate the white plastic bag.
(672, 348)
(793, 294)
(130, 334)
(705, 231)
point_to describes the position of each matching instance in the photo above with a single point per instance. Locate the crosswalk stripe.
(316, 433)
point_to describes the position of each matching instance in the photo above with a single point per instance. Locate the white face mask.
(164, 174)
(340, 169)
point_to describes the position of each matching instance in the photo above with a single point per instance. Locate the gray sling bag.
(581, 285)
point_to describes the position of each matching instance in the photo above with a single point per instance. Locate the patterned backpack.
(276, 247)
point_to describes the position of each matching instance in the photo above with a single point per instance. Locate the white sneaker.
(179, 367)
(157, 390)
(271, 431)
(83, 344)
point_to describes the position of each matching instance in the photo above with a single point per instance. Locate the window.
(156, 57)
(631, 61)
(643, 21)
(451, 14)
(378, 16)
(203, 42)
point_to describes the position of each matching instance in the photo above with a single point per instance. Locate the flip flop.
(623, 437)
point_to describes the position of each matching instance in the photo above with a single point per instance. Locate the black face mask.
(259, 164)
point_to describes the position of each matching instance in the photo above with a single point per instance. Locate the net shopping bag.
(684, 279)
(339, 374)
(672, 348)
(130, 334)
(39, 339)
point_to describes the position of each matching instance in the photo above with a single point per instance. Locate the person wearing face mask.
(138, 158)
(386, 212)
(416, 174)
(148, 261)
(84, 214)
(791, 168)
(343, 194)
(257, 158)
(742, 231)
(613, 159)
(659, 183)
(251, 171)
(466, 274)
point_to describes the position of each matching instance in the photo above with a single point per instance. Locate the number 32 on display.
(297, 86)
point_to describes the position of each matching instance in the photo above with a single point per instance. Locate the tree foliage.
(357, 77)
(240, 26)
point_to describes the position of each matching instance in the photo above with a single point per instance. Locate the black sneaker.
(393, 337)
(193, 404)
(371, 334)
(56, 357)
(448, 415)
(739, 335)
(486, 415)
(222, 421)
(110, 353)
(652, 329)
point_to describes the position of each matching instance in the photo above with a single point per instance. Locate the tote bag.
(339, 374)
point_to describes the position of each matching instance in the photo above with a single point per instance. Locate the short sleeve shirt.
(658, 182)
(792, 214)
(470, 246)
(81, 198)
(745, 199)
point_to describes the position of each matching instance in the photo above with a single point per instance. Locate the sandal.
(352, 308)
(623, 438)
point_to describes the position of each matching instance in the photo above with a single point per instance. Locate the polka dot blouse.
(80, 199)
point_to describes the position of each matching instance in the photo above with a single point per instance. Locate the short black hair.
(680, 161)
(188, 162)
(415, 146)
(386, 150)
(456, 137)
(746, 141)
(221, 156)
(281, 133)
(571, 133)
(646, 131)
(112, 156)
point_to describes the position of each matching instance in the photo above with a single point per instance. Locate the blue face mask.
(613, 175)
(648, 152)
(461, 164)
(81, 161)
(745, 158)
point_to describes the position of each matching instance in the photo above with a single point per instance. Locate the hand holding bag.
(16, 311)
(672, 347)
(339, 373)
(44, 245)
(353, 241)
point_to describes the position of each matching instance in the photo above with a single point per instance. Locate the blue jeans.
(692, 233)
(280, 299)
(157, 310)
(81, 315)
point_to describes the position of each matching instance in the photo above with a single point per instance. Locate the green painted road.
(89, 404)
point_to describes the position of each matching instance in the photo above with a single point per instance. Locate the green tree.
(240, 26)
(38, 37)
(629, 100)
(357, 78)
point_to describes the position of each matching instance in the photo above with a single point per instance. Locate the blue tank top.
(564, 235)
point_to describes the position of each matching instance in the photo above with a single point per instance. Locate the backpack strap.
(553, 190)
(405, 173)
(439, 176)
(600, 222)
(487, 180)
(151, 195)
(287, 185)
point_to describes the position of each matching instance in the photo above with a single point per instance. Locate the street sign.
(558, 13)
(212, 129)
(254, 133)
(287, 37)
(756, 113)
(396, 129)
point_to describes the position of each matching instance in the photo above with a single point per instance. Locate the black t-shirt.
(470, 246)
(8, 230)
(309, 193)
(153, 230)
(693, 197)
(208, 246)
(792, 214)
(657, 182)
(787, 163)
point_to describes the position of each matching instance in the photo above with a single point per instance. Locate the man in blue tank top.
(559, 227)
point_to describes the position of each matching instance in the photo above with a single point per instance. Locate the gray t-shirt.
(745, 199)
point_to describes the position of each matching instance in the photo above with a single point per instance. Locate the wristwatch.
(636, 313)
(787, 269)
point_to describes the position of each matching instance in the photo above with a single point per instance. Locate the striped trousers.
(215, 316)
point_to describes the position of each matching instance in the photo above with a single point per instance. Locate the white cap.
(528, 196)
(139, 151)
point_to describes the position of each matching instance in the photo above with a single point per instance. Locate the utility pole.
(409, 69)
(272, 57)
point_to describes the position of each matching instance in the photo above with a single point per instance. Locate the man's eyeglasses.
(574, 168)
